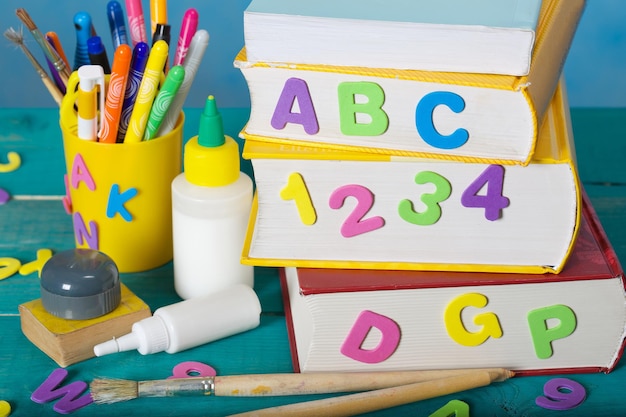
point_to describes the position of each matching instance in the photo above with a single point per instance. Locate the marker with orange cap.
(115, 94)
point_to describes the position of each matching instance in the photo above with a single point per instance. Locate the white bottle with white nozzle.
(190, 323)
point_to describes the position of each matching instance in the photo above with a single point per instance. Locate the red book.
(366, 320)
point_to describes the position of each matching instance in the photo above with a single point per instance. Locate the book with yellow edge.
(326, 208)
(444, 115)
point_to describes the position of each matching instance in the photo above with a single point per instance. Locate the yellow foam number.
(296, 190)
(9, 267)
(5, 408)
(14, 162)
(42, 257)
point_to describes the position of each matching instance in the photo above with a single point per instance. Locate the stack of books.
(416, 183)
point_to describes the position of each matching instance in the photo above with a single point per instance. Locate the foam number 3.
(561, 394)
(493, 201)
(431, 215)
(355, 224)
(296, 190)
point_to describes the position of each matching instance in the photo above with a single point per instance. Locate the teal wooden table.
(34, 218)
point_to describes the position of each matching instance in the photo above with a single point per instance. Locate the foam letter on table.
(456, 408)
(295, 88)
(50, 390)
(8, 267)
(80, 172)
(426, 125)
(390, 338)
(117, 200)
(14, 162)
(542, 335)
(81, 233)
(349, 108)
(454, 323)
(37, 265)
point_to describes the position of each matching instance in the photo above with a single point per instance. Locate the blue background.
(594, 70)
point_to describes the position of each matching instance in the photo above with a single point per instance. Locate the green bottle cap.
(211, 133)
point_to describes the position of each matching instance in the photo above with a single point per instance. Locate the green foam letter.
(349, 108)
(543, 336)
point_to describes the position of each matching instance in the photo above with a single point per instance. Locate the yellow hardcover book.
(444, 115)
(327, 208)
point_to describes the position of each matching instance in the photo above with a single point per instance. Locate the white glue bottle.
(190, 323)
(211, 202)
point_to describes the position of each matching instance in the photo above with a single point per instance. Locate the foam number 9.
(433, 210)
(561, 394)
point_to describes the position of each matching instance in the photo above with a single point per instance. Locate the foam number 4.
(431, 215)
(355, 224)
(296, 190)
(492, 201)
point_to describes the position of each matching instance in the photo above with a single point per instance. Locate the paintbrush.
(18, 39)
(365, 402)
(51, 53)
(105, 391)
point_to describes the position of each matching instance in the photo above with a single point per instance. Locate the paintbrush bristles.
(23, 15)
(18, 38)
(109, 391)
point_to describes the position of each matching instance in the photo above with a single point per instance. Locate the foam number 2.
(493, 201)
(355, 224)
(296, 190)
(561, 394)
(431, 215)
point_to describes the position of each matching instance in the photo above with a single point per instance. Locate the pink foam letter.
(80, 172)
(390, 338)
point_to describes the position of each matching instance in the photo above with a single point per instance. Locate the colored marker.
(136, 21)
(147, 91)
(163, 100)
(187, 30)
(117, 26)
(158, 14)
(90, 77)
(56, 76)
(137, 67)
(197, 47)
(97, 53)
(82, 24)
(115, 94)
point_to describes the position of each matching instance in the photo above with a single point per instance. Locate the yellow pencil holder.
(119, 195)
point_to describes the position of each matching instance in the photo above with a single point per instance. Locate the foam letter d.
(390, 338)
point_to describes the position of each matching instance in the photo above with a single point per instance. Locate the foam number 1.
(296, 190)
(561, 394)
(431, 215)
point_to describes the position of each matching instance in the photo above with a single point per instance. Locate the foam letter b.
(349, 108)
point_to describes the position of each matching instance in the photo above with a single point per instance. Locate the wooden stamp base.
(71, 341)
